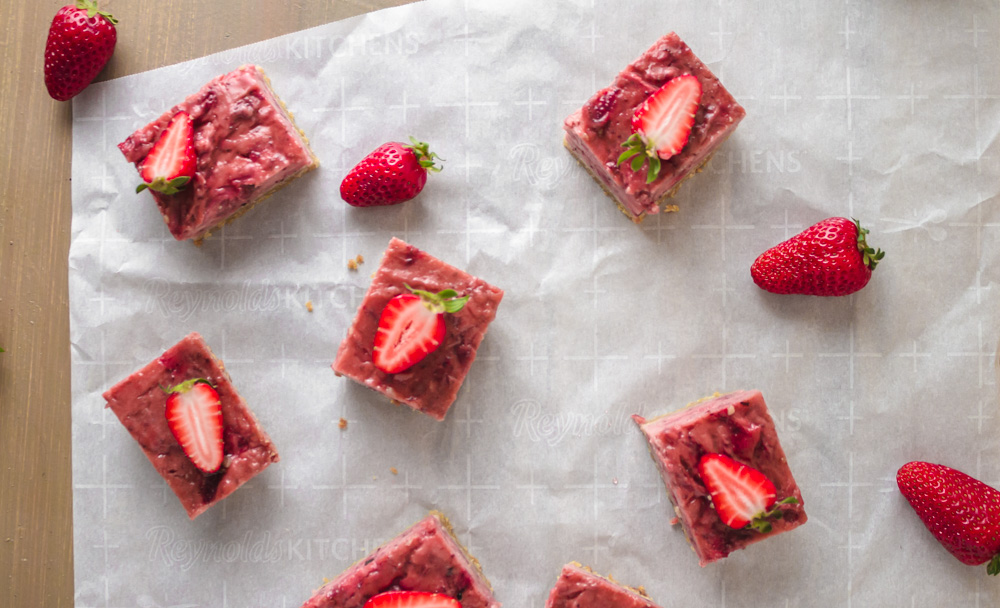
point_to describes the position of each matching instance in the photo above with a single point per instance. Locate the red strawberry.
(194, 415)
(81, 40)
(830, 258)
(740, 494)
(962, 512)
(411, 599)
(170, 165)
(393, 173)
(411, 327)
(662, 125)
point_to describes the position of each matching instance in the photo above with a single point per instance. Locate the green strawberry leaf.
(654, 169)
(637, 163)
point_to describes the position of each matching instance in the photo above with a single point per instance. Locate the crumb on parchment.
(309, 305)
(352, 265)
(342, 424)
(394, 470)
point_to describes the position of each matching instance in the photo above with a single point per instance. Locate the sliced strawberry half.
(194, 415)
(412, 599)
(662, 125)
(740, 494)
(170, 165)
(411, 327)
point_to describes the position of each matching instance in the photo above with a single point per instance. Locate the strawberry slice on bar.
(741, 495)
(194, 416)
(661, 126)
(411, 327)
(412, 599)
(171, 163)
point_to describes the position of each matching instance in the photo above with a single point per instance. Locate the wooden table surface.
(36, 503)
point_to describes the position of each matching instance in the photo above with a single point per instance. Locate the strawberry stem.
(424, 156)
(446, 300)
(993, 568)
(871, 256)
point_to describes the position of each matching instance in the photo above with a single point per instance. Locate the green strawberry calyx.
(446, 300)
(993, 568)
(424, 156)
(639, 149)
(871, 256)
(185, 386)
(761, 523)
(162, 185)
(91, 7)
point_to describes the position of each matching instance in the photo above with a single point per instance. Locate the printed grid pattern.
(539, 444)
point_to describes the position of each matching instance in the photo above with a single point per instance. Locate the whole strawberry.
(962, 512)
(81, 40)
(830, 258)
(393, 173)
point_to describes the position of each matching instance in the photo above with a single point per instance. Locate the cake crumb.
(671, 208)
(731, 410)
(394, 470)
(674, 521)
(614, 480)
(342, 423)
(309, 305)
(360, 259)
(352, 265)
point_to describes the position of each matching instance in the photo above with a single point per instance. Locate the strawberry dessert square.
(191, 423)
(425, 559)
(417, 330)
(234, 145)
(725, 473)
(666, 112)
(578, 587)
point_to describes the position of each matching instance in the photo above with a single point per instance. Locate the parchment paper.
(884, 111)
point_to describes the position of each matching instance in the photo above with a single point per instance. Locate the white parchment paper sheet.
(886, 111)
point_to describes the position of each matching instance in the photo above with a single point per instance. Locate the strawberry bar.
(597, 132)
(246, 147)
(426, 558)
(140, 402)
(578, 587)
(431, 384)
(717, 449)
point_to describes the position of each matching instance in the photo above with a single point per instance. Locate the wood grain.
(36, 559)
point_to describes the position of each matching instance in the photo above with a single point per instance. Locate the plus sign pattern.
(885, 111)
